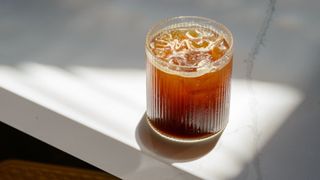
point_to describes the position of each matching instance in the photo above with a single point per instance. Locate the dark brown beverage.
(188, 81)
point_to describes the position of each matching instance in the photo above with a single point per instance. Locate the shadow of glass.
(170, 151)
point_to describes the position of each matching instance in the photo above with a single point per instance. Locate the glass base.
(184, 140)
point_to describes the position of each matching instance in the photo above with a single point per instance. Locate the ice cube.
(218, 51)
(218, 47)
(223, 45)
(152, 45)
(166, 37)
(203, 63)
(176, 60)
(199, 44)
(178, 34)
(181, 45)
(193, 58)
(162, 52)
(207, 33)
(160, 43)
(192, 34)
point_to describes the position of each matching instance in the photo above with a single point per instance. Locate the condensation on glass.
(189, 66)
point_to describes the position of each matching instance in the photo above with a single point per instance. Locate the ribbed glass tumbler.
(189, 67)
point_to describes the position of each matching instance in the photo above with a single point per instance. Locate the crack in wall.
(253, 102)
(260, 39)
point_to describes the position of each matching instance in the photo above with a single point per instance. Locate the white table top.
(65, 80)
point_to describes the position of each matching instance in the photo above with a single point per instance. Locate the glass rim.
(214, 23)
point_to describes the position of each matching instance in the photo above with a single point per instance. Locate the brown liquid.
(192, 107)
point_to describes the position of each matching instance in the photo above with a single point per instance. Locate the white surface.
(94, 114)
(65, 79)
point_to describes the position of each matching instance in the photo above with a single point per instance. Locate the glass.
(188, 66)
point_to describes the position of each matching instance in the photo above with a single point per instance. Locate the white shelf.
(97, 115)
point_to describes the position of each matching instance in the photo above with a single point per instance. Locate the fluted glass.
(185, 105)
